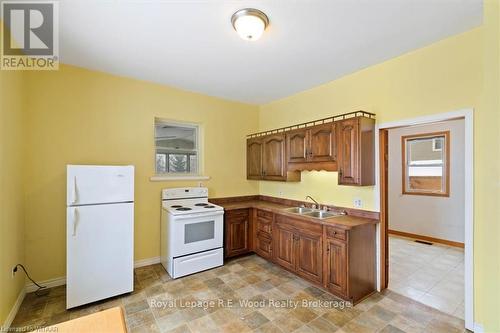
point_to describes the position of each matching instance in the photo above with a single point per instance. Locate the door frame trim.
(468, 116)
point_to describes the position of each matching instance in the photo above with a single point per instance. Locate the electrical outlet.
(358, 203)
(14, 270)
(280, 193)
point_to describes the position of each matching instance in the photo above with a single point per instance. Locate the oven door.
(196, 232)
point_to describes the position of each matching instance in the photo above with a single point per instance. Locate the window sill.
(174, 178)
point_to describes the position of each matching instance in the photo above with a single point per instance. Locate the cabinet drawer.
(336, 233)
(263, 215)
(237, 213)
(264, 226)
(300, 225)
(264, 245)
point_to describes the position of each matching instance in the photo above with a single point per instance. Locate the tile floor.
(430, 274)
(160, 304)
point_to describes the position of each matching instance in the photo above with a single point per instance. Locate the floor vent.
(423, 242)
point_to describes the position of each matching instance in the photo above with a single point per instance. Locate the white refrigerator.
(99, 233)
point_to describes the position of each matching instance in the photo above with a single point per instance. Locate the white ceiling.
(191, 44)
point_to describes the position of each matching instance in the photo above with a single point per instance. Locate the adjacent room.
(250, 166)
(426, 198)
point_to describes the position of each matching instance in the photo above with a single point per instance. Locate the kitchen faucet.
(317, 205)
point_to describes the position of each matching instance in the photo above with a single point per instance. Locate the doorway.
(405, 241)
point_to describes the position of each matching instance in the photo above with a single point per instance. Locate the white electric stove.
(191, 231)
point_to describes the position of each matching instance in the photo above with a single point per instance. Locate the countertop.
(344, 221)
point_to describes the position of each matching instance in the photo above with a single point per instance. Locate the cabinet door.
(309, 257)
(263, 246)
(323, 143)
(297, 146)
(254, 159)
(336, 275)
(236, 230)
(349, 151)
(274, 165)
(283, 252)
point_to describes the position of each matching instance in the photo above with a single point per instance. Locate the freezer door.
(100, 250)
(91, 184)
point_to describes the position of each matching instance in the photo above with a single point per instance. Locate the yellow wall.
(79, 116)
(442, 77)
(458, 72)
(76, 116)
(12, 132)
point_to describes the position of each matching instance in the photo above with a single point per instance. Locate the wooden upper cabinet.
(346, 146)
(297, 146)
(323, 143)
(254, 158)
(274, 166)
(356, 151)
(266, 159)
(312, 148)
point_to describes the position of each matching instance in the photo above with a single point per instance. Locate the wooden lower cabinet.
(349, 257)
(336, 266)
(332, 257)
(236, 232)
(284, 247)
(309, 263)
(297, 248)
(263, 246)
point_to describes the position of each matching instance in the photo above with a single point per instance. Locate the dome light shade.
(249, 23)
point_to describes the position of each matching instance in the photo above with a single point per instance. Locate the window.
(426, 166)
(177, 148)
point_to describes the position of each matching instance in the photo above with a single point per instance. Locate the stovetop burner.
(176, 206)
(183, 208)
(201, 204)
(209, 206)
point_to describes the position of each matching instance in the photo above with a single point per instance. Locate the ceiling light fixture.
(249, 23)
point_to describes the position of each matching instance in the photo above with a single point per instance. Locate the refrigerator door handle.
(76, 218)
(74, 193)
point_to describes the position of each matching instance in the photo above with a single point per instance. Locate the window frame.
(446, 163)
(198, 150)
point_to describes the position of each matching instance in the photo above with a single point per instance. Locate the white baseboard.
(60, 281)
(31, 287)
(478, 328)
(146, 262)
(51, 283)
(13, 311)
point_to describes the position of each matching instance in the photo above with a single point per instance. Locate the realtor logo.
(30, 35)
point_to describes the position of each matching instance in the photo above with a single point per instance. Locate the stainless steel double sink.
(316, 213)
